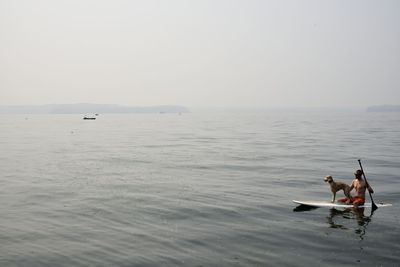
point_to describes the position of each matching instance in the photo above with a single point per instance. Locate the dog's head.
(328, 179)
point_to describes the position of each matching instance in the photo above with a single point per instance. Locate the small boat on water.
(89, 118)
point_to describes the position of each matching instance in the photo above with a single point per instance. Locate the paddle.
(374, 206)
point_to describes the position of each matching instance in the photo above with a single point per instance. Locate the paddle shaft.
(374, 207)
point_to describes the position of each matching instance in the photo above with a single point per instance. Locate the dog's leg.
(333, 197)
(348, 195)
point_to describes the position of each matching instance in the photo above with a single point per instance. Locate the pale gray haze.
(200, 53)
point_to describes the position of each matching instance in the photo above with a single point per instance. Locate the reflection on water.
(300, 208)
(349, 214)
(335, 217)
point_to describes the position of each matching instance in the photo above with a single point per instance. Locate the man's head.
(358, 174)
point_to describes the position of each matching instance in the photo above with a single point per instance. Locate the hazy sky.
(200, 53)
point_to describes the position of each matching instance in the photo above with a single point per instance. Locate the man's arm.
(352, 185)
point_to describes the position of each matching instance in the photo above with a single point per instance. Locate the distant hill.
(384, 108)
(84, 108)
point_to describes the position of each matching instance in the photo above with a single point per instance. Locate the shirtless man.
(360, 186)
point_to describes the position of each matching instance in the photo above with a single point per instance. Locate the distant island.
(384, 108)
(84, 108)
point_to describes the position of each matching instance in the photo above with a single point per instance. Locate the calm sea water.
(199, 189)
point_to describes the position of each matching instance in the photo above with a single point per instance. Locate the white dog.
(337, 186)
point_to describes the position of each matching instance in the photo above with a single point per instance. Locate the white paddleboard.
(337, 205)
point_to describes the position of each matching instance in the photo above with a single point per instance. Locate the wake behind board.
(337, 205)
